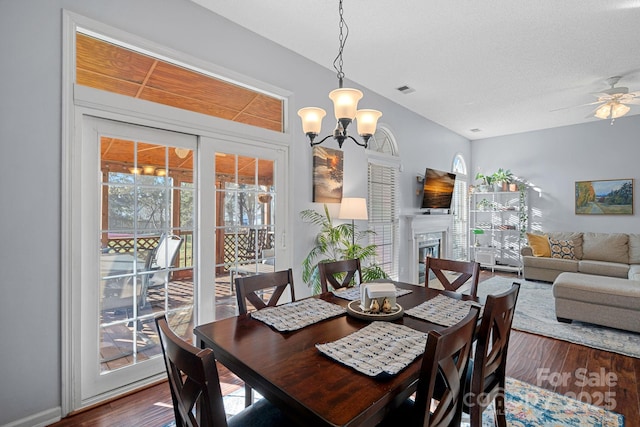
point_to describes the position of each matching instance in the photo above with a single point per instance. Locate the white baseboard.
(41, 419)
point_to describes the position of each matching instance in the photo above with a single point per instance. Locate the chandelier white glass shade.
(345, 107)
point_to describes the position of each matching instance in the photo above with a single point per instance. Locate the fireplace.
(427, 235)
(428, 246)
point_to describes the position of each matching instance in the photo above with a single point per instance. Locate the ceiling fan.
(614, 101)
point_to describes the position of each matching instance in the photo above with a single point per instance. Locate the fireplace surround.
(426, 235)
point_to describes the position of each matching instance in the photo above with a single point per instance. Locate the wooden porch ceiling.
(112, 68)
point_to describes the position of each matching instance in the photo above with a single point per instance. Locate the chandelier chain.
(342, 38)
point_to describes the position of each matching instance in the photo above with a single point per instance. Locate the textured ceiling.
(501, 66)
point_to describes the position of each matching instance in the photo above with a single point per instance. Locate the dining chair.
(444, 366)
(193, 379)
(252, 288)
(339, 274)
(490, 358)
(467, 271)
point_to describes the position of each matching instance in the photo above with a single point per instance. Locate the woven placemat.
(377, 350)
(442, 310)
(298, 314)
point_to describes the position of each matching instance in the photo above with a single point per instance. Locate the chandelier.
(345, 106)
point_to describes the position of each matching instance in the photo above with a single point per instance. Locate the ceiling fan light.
(182, 152)
(345, 102)
(603, 111)
(619, 110)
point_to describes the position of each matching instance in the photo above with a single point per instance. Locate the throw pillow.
(539, 244)
(562, 249)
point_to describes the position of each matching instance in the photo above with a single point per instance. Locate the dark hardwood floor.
(598, 377)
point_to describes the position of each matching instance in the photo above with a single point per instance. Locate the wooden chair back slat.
(468, 270)
(339, 274)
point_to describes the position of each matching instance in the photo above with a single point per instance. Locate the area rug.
(535, 313)
(526, 406)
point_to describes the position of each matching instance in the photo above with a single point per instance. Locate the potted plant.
(335, 243)
(501, 178)
(485, 182)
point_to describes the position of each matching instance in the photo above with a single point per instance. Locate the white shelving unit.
(498, 221)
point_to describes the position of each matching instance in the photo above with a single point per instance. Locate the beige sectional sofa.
(598, 281)
(602, 254)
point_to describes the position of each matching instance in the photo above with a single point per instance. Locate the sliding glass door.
(139, 205)
(168, 220)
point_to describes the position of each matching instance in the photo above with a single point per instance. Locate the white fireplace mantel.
(417, 225)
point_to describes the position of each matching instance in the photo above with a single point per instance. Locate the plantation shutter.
(460, 221)
(384, 215)
(460, 208)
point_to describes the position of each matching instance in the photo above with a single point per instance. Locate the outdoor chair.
(255, 242)
(468, 270)
(339, 274)
(193, 379)
(160, 259)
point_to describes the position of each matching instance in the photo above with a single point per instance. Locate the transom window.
(113, 68)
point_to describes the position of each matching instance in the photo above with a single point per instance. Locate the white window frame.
(80, 100)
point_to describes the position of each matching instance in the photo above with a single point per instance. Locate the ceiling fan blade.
(633, 101)
(576, 106)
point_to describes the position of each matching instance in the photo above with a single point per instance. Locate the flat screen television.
(437, 189)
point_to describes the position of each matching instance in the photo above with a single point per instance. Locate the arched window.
(460, 211)
(384, 212)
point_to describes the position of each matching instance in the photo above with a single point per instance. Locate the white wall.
(30, 163)
(554, 159)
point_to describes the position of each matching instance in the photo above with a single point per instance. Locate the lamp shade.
(353, 208)
(611, 110)
(311, 119)
(619, 110)
(182, 152)
(367, 121)
(345, 102)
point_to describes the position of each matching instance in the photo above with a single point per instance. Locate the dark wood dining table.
(288, 370)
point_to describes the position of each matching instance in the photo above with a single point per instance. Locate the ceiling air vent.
(405, 89)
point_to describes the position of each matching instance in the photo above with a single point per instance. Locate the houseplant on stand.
(501, 178)
(485, 182)
(335, 243)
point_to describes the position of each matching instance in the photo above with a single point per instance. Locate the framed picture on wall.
(327, 175)
(607, 197)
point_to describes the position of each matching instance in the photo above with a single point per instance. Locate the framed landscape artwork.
(327, 175)
(608, 197)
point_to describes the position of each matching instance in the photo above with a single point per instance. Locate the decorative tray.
(354, 309)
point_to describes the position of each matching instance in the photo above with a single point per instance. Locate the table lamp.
(476, 232)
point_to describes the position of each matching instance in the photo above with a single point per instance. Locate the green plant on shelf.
(487, 205)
